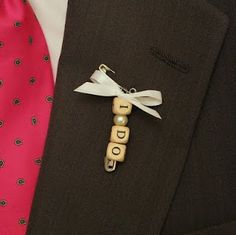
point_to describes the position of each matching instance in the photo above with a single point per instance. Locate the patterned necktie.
(26, 95)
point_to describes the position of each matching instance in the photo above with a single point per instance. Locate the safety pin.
(104, 68)
(109, 165)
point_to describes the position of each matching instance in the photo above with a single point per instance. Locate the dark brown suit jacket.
(179, 174)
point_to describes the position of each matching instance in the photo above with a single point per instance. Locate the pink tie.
(26, 95)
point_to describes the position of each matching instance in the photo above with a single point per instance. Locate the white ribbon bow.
(103, 85)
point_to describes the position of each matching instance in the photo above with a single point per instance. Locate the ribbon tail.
(145, 108)
(97, 89)
(147, 98)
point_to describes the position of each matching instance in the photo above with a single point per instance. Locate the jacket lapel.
(169, 46)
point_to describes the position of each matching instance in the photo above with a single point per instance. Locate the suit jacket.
(179, 173)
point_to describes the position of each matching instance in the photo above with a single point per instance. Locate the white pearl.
(120, 120)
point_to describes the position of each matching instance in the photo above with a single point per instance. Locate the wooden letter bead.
(116, 152)
(120, 134)
(121, 106)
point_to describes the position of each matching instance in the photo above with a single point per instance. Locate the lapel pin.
(123, 101)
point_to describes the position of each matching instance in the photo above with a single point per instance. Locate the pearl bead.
(120, 120)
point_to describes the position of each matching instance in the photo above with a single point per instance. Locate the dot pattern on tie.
(26, 96)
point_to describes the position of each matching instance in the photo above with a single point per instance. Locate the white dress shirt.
(52, 17)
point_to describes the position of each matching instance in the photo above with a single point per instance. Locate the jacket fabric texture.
(179, 174)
